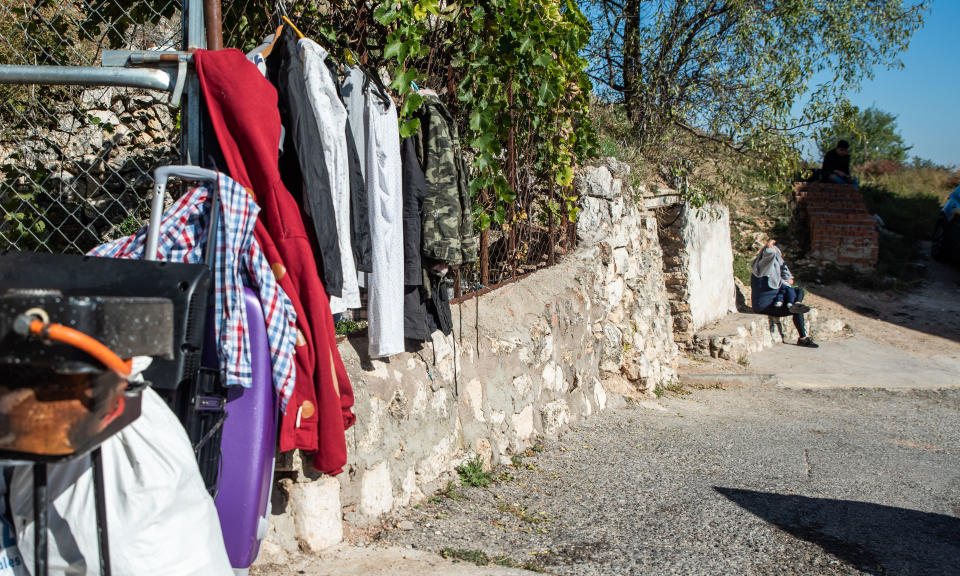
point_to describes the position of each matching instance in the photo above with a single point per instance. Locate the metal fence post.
(194, 36)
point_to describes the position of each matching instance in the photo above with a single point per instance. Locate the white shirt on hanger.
(378, 143)
(331, 117)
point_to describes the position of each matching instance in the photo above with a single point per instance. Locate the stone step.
(737, 336)
(702, 381)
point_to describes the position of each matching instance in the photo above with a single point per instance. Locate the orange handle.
(79, 340)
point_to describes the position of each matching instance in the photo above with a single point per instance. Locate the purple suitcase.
(247, 448)
(248, 441)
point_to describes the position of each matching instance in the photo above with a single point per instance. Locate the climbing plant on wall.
(523, 85)
(510, 70)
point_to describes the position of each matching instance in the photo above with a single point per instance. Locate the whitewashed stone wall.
(699, 265)
(706, 233)
(538, 355)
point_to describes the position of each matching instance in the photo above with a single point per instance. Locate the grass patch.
(344, 327)
(674, 387)
(130, 225)
(472, 474)
(912, 215)
(743, 360)
(480, 558)
(449, 491)
(741, 268)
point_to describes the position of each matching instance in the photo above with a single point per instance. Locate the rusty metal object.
(47, 414)
(213, 20)
(56, 401)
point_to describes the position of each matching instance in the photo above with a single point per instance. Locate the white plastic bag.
(11, 564)
(160, 519)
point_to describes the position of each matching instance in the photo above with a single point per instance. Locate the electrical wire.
(79, 340)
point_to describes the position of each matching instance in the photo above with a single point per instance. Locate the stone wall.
(84, 165)
(842, 232)
(698, 260)
(535, 357)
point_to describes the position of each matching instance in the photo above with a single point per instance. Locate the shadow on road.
(874, 538)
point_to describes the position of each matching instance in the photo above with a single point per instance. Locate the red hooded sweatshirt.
(242, 105)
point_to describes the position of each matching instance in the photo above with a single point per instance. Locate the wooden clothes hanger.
(276, 35)
(292, 25)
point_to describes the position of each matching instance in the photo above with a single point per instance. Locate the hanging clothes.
(359, 205)
(414, 192)
(330, 116)
(356, 147)
(414, 297)
(183, 238)
(242, 107)
(382, 171)
(354, 99)
(303, 166)
(448, 234)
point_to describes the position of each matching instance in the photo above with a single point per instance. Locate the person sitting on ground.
(836, 165)
(768, 274)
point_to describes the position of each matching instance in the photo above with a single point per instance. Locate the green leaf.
(483, 142)
(385, 13)
(549, 92)
(478, 184)
(409, 128)
(475, 119)
(543, 60)
(483, 221)
(393, 50)
(402, 82)
(500, 215)
(411, 104)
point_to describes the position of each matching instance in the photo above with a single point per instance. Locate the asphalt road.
(751, 480)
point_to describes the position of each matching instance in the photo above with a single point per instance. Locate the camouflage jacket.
(447, 233)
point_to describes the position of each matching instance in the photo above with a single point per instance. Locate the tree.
(872, 134)
(729, 72)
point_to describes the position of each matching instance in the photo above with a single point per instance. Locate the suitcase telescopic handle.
(160, 177)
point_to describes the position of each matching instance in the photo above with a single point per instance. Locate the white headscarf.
(769, 262)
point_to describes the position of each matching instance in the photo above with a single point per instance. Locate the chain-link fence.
(76, 162)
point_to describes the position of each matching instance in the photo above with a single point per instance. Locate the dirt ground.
(926, 321)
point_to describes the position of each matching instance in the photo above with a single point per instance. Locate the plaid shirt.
(183, 238)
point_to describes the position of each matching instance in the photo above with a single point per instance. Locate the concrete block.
(523, 423)
(376, 491)
(599, 395)
(317, 518)
(474, 399)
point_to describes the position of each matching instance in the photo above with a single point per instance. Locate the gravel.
(747, 480)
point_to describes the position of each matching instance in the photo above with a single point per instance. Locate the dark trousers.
(786, 294)
(794, 295)
(782, 311)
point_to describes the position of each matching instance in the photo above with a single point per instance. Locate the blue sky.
(925, 93)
